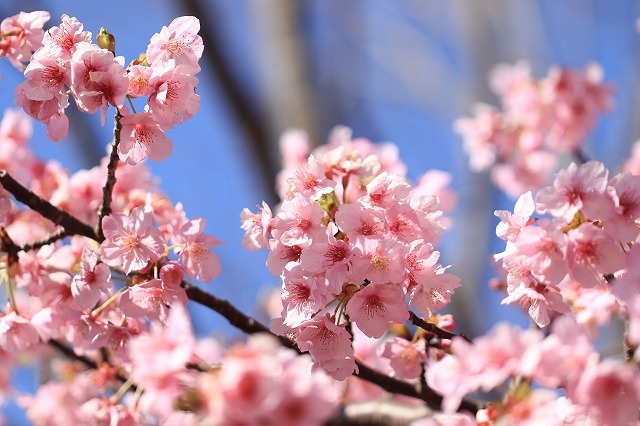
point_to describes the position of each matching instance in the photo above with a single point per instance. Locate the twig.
(71, 224)
(432, 328)
(83, 359)
(250, 326)
(51, 238)
(107, 192)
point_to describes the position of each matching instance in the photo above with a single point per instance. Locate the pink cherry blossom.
(299, 222)
(433, 291)
(50, 112)
(575, 188)
(330, 258)
(329, 345)
(173, 97)
(591, 254)
(310, 180)
(257, 227)
(22, 35)
(97, 79)
(17, 333)
(385, 190)
(142, 137)
(541, 302)
(130, 241)
(159, 359)
(541, 249)
(61, 41)
(152, 299)
(139, 80)
(302, 296)
(179, 41)
(610, 390)
(380, 261)
(196, 256)
(511, 223)
(92, 280)
(376, 306)
(171, 274)
(620, 218)
(406, 358)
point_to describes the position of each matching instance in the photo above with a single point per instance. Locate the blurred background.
(398, 71)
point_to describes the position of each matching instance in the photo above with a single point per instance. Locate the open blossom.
(130, 241)
(433, 291)
(257, 227)
(376, 306)
(406, 358)
(92, 280)
(302, 296)
(61, 41)
(152, 299)
(139, 80)
(179, 41)
(22, 35)
(575, 188)
(310, 181)
(173, 98)
(329, 345)
(17, 333)
(142, 137)
(591, 254)
(159, 359)
(97, 79)
(610, 390)
(196, 256)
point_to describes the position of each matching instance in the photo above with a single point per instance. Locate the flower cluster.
(565, 264)
(597, 391)
(66, 60)
(539, 120)
(259, 382)
(353, 243)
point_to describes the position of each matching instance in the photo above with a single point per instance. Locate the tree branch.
(107, 192)
(250, 326)
(83, 359)
(432, 328)
(60, 217)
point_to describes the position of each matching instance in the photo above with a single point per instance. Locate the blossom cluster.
(353, 244)
(597, 391)
(259, 382)
(65, 60)
(540, 120)
(573, 261)
(69, 292)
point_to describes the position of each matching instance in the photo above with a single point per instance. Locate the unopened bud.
(106, 40)
(141, 60)
(171, 274)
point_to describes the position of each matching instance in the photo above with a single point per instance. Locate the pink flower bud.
(171, 274)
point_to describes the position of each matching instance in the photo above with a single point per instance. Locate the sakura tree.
(99, 266)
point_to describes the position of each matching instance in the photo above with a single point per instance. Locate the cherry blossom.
(130, 241)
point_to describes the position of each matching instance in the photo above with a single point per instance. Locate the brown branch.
(49, 239)
(250, 326)
(107, 192)
(71, 224)
(432, 328)
(380, 412)
(83, 359)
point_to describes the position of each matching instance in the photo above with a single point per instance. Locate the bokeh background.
(399, 71)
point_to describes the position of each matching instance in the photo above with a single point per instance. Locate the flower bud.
(106, 40)
(171, 274)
